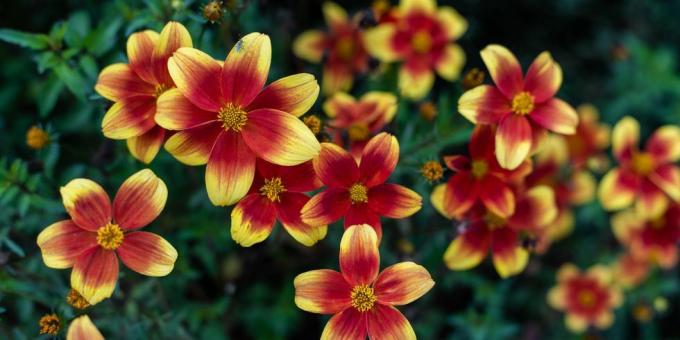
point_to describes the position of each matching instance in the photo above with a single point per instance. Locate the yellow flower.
(432, 171)
(37, 138)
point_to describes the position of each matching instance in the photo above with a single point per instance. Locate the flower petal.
(173, 36)
(130, 117)
(252, 220)
(145, 147)
(140, 47)
(461, 193)
(537, 208)
(246, 69)
(394, 201)
(557, 297)
(119, 81)
(667, 178)
(288, 212)
(359, 256)
(451, 62)
(294, 94)
(176, 112)
(513, 141)
(87, 203)
(386, 322)
(334, 14)
(279, 137)
(664, 144)
(497, 196)
(82, 328)
(362, 214)
(310, 45)
(62, 242)
(457, 163)
(508, 257)
(94, 274)
(576, 323)
(625, 137)
(504, 69)
(453, 23)
(348, 324)
(336, 167)
(423, 6)
(193, 146)
(402, 283)
(325, 207)
(415, 84)
(437, 200)
(544, 77)
(140, 199)
(297, 178)
(379, 158)
(652, 201)
(556, 115)
(147, 253)
(617, 190)
(378, 42)
(483, 104)
(197, 76)
(230, 170)
(469, 248)
(322, 291)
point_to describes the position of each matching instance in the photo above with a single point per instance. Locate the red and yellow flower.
(226, 119)
(587, 298)
(648, 177)
(341, 49)
(136, 86)
(99, 233)
(653, 239)
(358, 191)
(422, 36)
(362, 299)
(359, 119)
(629, 271)
(522, 106)
(276, 194)
(587, 146)
(82, 328)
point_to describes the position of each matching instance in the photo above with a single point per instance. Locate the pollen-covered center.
(110, 236)
(523, 103)
(586, 298)
(494, 221)
(232, 117)
(421, 42)
(363, 298)
(272, 188)
(642, 163)
(432, 171)
(345, 48)
(358, 193)
(358, 132)
(479, 168)
(160, 88)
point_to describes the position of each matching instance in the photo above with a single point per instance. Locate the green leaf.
(73, 80)
(89, 66)
(104, 38)
(31, 40)
(46, 60)
(78, 29)
(13, 247)
(49, 94)
(57, 33)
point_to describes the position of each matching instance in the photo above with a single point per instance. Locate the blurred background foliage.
(621, 56)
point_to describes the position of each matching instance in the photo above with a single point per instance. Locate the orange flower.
(99, 233)
(586, 147)
(359, 192)
(82, 328)
(359, 119)
(276, 194)
(484, 231)
(135, 88)
(523, 107)
(341, 49)
(423, 37)
(361, 299)
(630, 271)
(647, 177)
(586, 298)
(651, 239)
(226, 119)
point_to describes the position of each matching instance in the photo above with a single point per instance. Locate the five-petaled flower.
(227, 120)
(341, 49)
(522, 107)
(99, 233)
(359, 192)
(586, 298)
(135, 88)
(423, 37)
(82, 328)
(362, 299)
(648, 177)
(277, 194)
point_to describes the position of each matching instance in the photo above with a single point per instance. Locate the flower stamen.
(363, 298)
(523, 103)
(232, 117)
(358, 132)
(358, 193)
(50, 324)
(272, 188)
(421, 42)
(479, 168)
(494, 221)
(110, 236)
(642, 163)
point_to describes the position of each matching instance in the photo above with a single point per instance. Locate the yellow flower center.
(345, 47)
(160, 88)
(523, 103)
(50, 324)
(232, 117)
(421, 42)
(479, 168)
(37, 138)
(363, 298)
(432, 171)
(358, 193)
(110, 236)
(272, 188)
(586, 298)
(358, 132)
(642, 163)
(76, 300)
(494, 221)
(473, 78)
(313, 123)
(213, 11)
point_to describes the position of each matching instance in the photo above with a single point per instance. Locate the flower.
(428, 111)
(522, 107)
(358, 191)
(423, 37)
(646, 177)
(50, 324)
(276, 194)
(483, 231)
(82, 328)
(341, 49)
(314, 123)
(652, 239)
(432, 171)
(586, 298)
(37, 138)
(361, 299)
(75, 300)
(99, 233)
(472, 79)
(212, 11)
(135, 88)
(479, 178)
(359, 119)
(226, 119)
(586, 147)
(629, 271)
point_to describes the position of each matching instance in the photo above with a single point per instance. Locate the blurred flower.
(432, 171)
(360, 119)
(361, 299)
(428, 111)
(37, 138)
(483, 231)
(642, 312)
(651, 239)
(647, 177)
(472, 79)
(135, 88)
(82, 328)
(313, 123)
(587, 146)
(358, 191)
(523, 107)
(660, 304)
(230, 125)
(212, 11)
(341, 49)
(422, 36)
(630, 271)
(99, 233)
(50, 324)
(586, 298)
(75, 300)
